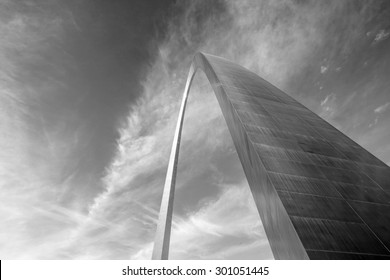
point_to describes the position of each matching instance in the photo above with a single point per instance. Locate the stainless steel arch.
(162, 238)
(319, 194)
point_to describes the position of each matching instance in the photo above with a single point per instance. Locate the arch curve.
(216, 70)
(316, 190)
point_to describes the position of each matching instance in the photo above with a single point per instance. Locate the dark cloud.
(80, 65)
(112, 44)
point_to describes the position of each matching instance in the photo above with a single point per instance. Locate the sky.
(89, 96)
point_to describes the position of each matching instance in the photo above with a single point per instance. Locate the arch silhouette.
(200, 61)
(308, 180)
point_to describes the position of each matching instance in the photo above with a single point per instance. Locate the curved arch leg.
(315, 189)
(163, 233)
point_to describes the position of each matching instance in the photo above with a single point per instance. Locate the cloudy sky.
(89, 96)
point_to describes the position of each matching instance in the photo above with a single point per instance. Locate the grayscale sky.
(89, 96)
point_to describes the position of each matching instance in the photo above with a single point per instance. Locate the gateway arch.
(319, 194)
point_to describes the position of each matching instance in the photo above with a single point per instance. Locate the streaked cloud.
(382, 108)
(327, 99)
(329, 106)
(224, 227)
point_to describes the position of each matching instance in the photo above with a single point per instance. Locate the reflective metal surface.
(319, 194)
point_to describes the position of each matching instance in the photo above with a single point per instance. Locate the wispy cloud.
(381, 36)
(324, 69)
(221, 228)
(378, 111)
(328, 105)
(36, 219)
(327, 98)
(382, 108)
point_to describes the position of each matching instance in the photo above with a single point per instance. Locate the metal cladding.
(319, 194)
